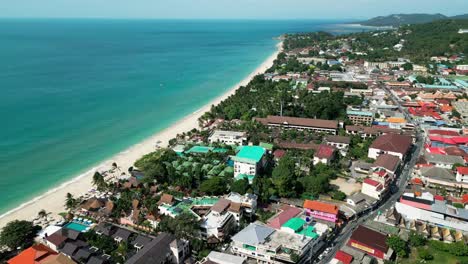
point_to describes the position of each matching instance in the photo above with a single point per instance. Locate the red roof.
(33, 255)
(343, 257)
(320, 206)
(417, 181)
(287, 213)
(465, 198)
(434, 150)
(439, 198)
(371, 182)
(462, 170)
(393, 142)
(443, 132)
(325, 152)
(279, 153)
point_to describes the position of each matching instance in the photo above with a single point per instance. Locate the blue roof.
(462, 83)
(435, 86)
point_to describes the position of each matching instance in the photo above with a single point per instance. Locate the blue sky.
(230, 9)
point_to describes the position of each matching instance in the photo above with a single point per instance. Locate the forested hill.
(421, 41)
(397, 20)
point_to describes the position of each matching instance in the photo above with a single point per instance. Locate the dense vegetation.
(421, 41)
(402, 19)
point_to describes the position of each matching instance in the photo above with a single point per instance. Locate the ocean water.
(76, 92)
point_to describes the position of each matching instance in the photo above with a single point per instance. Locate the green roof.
(250, 154)
(295, 224)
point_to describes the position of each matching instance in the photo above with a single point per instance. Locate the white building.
(248, 161)
(462, 174)
(372, 188)
(228, 137)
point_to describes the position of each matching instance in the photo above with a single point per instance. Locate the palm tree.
(99, 182)
(42, 213)
(70, 202)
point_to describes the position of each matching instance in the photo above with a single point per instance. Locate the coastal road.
(400, 183)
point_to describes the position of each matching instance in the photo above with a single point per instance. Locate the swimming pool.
(77, 226)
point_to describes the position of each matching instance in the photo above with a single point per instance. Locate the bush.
(425, 255)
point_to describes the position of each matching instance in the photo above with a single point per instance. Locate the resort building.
(393, 144)
(360, 116)
(370, 132)
(248, 161)
(371, 242)
(286, 122)
(321, 211)
(228, 137)
(268, 245)
(221, 220)
(36, 254)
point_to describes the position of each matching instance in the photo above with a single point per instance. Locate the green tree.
(99, 182)
(70, 202)
(339, 195)
(18, 234)
(214, 186)
(284, 178)
(424, 254)
(416, 240)
(407, 66)
(240, 186)
(185, 226)
(398, 245)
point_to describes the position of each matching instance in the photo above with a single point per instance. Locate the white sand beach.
(53, 200)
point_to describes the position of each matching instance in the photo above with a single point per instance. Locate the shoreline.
(52, 201)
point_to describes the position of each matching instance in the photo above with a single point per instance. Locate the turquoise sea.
(76, 92)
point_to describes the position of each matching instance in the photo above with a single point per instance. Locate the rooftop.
(370, 238)
(321, 206)
(250, 154)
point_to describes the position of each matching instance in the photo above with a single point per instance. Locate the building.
(268, 245)
(389, 163)
(164, 249)
(339, 142)
(432, 211)
(248, 161)
(321, 211)
(36, 254)
(393, 144)
(343, 257)
(373, 188)
(371, 242)
(228, 137)
(360, 116)
(221, 220)
(435, 177)
(462, 174)
(324, 154)
(216, 257)
(370, 132)
(286, 122)
(443, 161)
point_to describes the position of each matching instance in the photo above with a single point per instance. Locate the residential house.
(462, 174)
(388, 162)
(373, 188)
(324, 154)
(339, 142)
(393, 144)
(443, 161)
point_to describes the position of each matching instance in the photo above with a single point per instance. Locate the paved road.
(400, 182)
